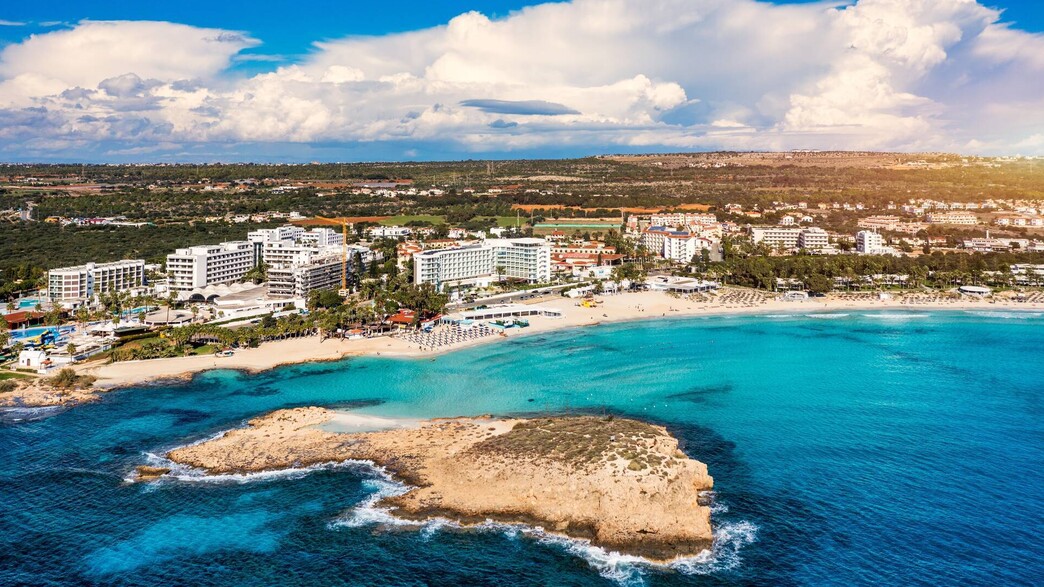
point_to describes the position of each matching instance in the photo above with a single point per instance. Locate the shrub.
(68, 379)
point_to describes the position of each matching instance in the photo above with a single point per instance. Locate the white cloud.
(590, 74)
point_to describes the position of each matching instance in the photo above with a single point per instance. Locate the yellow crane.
(344, 249)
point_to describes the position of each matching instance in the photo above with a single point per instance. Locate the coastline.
(626, 307)
(618, 483)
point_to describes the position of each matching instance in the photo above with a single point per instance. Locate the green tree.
(818, 283)
(258, 274)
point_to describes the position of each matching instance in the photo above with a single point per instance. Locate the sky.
(119, 81)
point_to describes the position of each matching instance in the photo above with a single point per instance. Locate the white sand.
(351, 422)
(615, 308)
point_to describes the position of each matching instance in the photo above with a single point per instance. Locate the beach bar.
(501, 312)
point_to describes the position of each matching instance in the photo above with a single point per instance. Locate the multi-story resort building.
(322, 237)
(298, 261)
(680, 248)
(296, 280)
(776, 237)
(962, 218)
(480, 264)
(677, 245)
(870, 243)
(879, 222)
(813, 239)
(279, 233)
(197, 267)
(277, 253)
(581, 247)
(389, 231)
(311, 269)
(681, 219)
(787, 239)
(72, 286)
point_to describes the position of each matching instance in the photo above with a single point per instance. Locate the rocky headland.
(63, 389)
(620, 483)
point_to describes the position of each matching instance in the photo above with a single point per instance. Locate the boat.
(224, 353)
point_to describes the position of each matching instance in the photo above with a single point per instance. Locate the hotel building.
(813, 239)
(298, 279)
(480, 264)
(76, 285)
(678, 246)
(962, 218)
(311, 268)
(197, 267)
(871, 243)
(786, 239)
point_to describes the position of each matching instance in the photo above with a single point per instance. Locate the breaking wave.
(826, 316)
(1015, 315)
(624, 569)
(15, 415)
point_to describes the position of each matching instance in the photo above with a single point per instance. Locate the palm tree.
(327, 323)
(83, 315)
(172, 298)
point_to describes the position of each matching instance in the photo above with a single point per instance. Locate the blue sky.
(594, 77)
(288, 28)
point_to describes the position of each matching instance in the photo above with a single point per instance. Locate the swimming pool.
(23, 334)
(28, 303)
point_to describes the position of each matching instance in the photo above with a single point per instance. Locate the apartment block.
(74, 285)
(480, 264)
(196, 267)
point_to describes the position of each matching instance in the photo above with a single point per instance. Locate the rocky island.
(620, 483)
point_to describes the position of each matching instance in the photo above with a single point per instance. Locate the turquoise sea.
(896, 448)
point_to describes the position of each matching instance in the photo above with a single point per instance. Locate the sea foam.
(1014, 315)
(896, 315)
(624, 569)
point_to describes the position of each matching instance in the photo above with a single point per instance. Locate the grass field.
(5, 376)
(207, 349)
(509, 221)
(401, 220)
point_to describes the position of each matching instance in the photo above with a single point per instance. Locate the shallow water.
(875, 447)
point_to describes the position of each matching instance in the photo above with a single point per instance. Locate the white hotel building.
(197, 267)
(786, 239)
(72, 286)
(485, 262)
(296, 280)
(678, 246)
(869, 242)
(310, 268)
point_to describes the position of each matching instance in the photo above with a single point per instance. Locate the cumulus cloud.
(520, 107)
(591, 75)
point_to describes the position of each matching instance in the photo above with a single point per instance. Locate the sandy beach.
(613, 308)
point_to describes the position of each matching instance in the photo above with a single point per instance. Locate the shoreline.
(618, 483)
(614, 309)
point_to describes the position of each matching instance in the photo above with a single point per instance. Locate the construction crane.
(344, 250)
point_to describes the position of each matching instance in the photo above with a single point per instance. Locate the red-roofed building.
(403, 318)
(24, 318)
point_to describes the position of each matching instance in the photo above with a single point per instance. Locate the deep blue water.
(848, 449)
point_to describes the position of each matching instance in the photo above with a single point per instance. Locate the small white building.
(33, 359)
